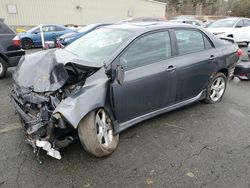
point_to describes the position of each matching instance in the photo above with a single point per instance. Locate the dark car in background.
(32, 38)
(242, 70)
(10, 48)
(114, 77)
(68, 38)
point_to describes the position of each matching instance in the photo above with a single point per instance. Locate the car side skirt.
(123, 126)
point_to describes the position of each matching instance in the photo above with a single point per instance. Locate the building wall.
(80, 12)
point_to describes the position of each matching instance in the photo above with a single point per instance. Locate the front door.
(150, 77)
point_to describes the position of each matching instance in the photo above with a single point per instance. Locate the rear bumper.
(14, 57)
(242, 70)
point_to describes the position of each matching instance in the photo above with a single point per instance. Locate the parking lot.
(196, 146)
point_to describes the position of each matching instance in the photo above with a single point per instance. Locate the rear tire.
(96, 133)
(27, 43)
(3, 68)
(216, 89)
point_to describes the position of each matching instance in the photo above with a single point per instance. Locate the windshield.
(97, 45)
(32, 29)
(223, 23)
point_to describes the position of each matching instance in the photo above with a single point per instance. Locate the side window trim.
(117, 59)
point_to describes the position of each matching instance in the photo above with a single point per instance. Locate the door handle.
(171, 68)
(212, 57)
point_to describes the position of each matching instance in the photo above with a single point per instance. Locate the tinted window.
(207, 43)
(59, 28)
(4, 29)
(223, 23)
(190, 41)
(148, 49)
(246, 22)
(48, 28)
(239, 24)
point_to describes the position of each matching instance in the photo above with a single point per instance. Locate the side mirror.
(239, 26)
(120, 74)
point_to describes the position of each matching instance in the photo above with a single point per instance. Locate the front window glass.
(223, 23)
(149, 49)
(98, 45)
(240, 24)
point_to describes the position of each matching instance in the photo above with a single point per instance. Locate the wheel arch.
(5, 58)
(91, 96)
(224, 71)
(27, 38)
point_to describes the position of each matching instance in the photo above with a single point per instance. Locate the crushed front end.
(41, 82)
(43, 129)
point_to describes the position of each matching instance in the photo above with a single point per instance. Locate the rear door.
(150, 77)
(196, 62)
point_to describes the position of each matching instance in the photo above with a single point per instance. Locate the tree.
(240, 8)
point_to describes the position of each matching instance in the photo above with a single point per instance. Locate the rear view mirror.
(120, 74)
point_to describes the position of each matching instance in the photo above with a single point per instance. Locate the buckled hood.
(45, 71)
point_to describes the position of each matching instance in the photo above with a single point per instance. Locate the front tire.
(216, 89)
(96, 133)
(3, 68)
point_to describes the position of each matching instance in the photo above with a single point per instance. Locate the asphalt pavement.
(198, 145)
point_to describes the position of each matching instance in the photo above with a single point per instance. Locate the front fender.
(91, 96)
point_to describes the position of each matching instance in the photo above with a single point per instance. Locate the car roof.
(148, 26)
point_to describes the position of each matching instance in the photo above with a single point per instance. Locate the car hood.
(219, 30)
(68, 35)
(45, 71)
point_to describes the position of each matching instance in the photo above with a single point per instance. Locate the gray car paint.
(94, 92)
(44, 71)
(91, 96)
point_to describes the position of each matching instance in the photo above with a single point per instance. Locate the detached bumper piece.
(242, 70)
(42, 129)
(45, 145)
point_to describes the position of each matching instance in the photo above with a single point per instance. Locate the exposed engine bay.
(37, 93)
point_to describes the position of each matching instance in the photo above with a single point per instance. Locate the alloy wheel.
(217, 89)
(1, 67)
(104, 128)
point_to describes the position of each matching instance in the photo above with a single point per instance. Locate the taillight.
(239, 52)
(16, 41)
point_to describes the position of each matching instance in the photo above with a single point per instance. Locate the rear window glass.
(190, 41)
(4, 29)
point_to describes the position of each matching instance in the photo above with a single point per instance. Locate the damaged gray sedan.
(115, 77)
